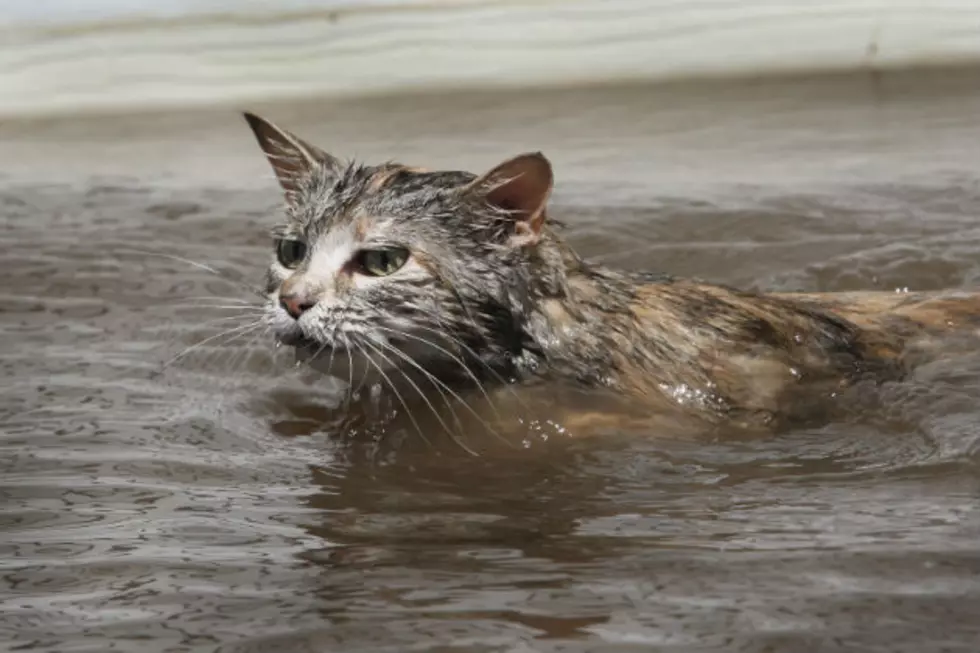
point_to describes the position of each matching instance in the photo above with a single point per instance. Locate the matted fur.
(476, 307)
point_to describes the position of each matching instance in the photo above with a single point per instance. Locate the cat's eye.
(381, 262)
(290, 252)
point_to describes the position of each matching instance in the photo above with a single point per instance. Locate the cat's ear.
(291, 158)
(520, 186)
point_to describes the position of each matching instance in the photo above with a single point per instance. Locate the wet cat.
(447, 280)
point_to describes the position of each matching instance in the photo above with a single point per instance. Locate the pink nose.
(295, 305)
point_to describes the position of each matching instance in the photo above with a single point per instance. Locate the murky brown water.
(202, 506)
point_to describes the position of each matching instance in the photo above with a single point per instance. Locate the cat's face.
(380, 271)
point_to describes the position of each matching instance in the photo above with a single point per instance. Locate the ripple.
(203, 505)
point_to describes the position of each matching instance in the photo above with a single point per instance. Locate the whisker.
(240, 357)
(234, 330)
(226, 318)
(174, 328)
(424, 398)
(238, 349)
(333, 339)
(455, 358)
(175, 325)
(247, 302)
(333, 353)
(504, 382)
(435, 380)
(350, 369)
(408, 411)
(202, 266)
(320, 351)
(198, 324)
(436, 383)
(223, 307)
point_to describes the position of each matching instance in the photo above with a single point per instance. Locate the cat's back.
(760, 352)
(907, 314)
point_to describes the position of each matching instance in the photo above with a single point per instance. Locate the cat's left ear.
(520, 186)
(291, 158)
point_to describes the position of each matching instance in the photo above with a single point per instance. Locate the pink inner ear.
(522, 185)
(520, 195)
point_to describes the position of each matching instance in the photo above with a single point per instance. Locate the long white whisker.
(196, 264)
(408, 411)
(228, 318)
(245, 327)
(320, 351)
(175, 327)
(222, 351)
(424, 398)
(455, 358)
(435, 380)
(503, 381)
(332, 343)
(438, 385)
(240, 357)
(237, 300)
(333, 339)
(257, 329)
(185, 327)
(222, 307)
(350, 369)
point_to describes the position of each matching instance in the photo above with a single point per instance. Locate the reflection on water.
(204, 505)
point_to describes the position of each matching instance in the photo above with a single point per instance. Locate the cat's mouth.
(349, 364)
(313, 352)
(318, 355)
(307, 348)
(297, 339)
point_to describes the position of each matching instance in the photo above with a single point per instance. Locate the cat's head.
(385, 269)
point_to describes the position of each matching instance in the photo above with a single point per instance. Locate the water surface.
(205, 505)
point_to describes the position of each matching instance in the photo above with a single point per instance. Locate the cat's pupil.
(382, 262)
(290, 252)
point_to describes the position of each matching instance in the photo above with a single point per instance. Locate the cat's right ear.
(292, 159)
(520, 187)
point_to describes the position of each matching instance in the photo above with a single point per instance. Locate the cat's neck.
(580, 319)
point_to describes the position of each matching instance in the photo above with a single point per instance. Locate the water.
(205, 506)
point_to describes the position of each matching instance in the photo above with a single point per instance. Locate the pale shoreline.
(901, 127)
(133, 60)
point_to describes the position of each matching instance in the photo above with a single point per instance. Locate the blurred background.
(63, 55)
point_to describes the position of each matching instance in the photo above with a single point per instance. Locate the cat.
(402, 275)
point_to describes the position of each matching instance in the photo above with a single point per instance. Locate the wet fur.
(504, 313)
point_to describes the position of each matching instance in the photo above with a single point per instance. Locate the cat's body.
(410, 277)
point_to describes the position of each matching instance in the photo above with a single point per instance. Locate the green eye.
(290, 252)
(381, 262)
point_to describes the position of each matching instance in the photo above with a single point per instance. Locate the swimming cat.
(461, 281)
